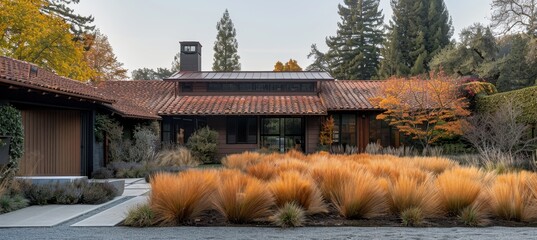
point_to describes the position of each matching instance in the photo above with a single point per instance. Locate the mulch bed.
(332, 219)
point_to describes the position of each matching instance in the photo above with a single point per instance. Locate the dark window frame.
(235, 120)
(338, 122)
(282, 134)
(262, 87)
(187, 87)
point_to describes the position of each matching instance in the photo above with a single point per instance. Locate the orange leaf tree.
(291, 66)
(425, 109)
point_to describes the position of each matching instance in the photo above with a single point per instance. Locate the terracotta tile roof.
(15, 72)
(344, 95)
(245, 105)
(139, 99)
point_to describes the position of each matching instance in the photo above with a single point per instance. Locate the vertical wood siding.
(313, 131)
(52, 143)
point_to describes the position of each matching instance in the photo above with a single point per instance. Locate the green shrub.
(67, 194)
(11, 203)
(290, 215)
(102, 173)
(97, 193)
(140, 216)
(38, 194)
(144, 145)
(122, 169)
(524, 98)
(203, 144)
(11, 125)
(412, 217)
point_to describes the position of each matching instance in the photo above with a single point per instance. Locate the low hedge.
(525, 98)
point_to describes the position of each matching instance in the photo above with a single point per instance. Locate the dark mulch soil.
(332, 219)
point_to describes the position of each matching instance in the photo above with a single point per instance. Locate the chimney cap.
(190, 43)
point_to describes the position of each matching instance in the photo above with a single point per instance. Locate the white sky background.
(147, 33)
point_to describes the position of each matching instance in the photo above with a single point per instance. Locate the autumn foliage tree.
(101, 58)
(28, 34)
(290, 66)
(326, 137)
(425, 109)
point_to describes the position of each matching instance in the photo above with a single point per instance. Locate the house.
(250, 110)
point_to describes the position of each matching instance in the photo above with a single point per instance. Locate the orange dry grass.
(436, 165)
(512, 196)
(296, 155)
(241, 161)
(456, 192)
(241, 198)
(176, 199)
(262, 170)
(292, 165)
(408, 192)
(385, 169)
(360, 196)
(329, 177)
(294, 187)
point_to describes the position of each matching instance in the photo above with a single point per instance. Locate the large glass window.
(382, 133)
(241, 130)
(261, 87)
(282, 134)
(345, 129)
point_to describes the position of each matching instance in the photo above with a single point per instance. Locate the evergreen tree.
(320, 61)
(419, 29)
(225, 47)
(80, 25)
(354, 52)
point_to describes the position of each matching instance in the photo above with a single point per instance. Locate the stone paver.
(134, 192)
(138, 185)
(46, 216)
(112, 216)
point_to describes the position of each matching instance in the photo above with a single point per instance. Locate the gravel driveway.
(267, 233)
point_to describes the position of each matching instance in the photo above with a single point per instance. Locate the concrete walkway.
(107, 214)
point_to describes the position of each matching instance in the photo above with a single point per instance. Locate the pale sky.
(147, 33)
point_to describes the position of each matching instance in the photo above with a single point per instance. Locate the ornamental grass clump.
(241, 161)
(140, 216)
(436, 165)
(242, 199)
(412, 217)
(360, 196)
(408, 192)
(178, 198)
(289, 215)
(456, 192)
(512, 197)
(477, 214)
(263, 170)
(329, 176)
(294, 187)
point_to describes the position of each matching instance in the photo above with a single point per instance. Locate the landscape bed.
(292, 189)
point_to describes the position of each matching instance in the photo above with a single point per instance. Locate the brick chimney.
(190, 57)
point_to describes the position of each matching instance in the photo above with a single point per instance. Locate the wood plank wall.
(52, 143)
(313, 131)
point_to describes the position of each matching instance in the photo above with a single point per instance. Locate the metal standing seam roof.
(257, 75)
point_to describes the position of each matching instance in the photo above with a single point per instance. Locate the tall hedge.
(525, 98)
(11, 125)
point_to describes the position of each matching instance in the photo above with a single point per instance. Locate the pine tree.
(419, 29)
(354, 52)
(80, 25)
(225, 47)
